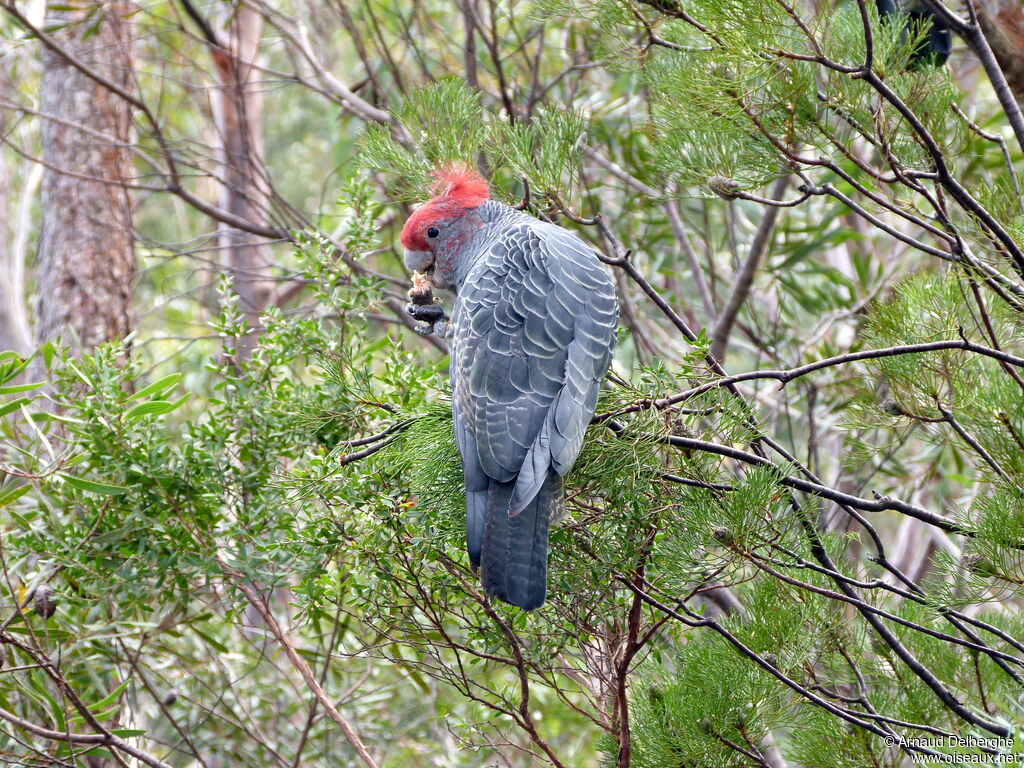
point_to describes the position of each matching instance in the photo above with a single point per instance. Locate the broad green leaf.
(157, 387)
(20, 388)
(104, 489)
(111, 698)
(11, 367)
(46, 352)
(154, 408)
(37, 684)
(100, 714)
(14, 405)
(55, 634)
(211, 640)
(13, 494)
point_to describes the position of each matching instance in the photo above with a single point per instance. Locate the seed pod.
(972, 562)
(891, 407)
(43, 601)
(679, 428)
(724, 187)
(722, 535)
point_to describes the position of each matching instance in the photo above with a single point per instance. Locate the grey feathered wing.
(532, 337)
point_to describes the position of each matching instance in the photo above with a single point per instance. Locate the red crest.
(455, 188)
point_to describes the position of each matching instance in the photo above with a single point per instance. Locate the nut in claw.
(422, 292)
(423, 306)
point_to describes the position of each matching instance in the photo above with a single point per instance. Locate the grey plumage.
(532, 334)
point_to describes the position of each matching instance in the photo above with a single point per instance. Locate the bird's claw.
(425, 313)
(431, 319)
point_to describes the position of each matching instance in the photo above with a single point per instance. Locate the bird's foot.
(426, 313)
(431, 319)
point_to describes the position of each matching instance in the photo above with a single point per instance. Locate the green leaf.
(20, 388)
(154, 408)
(55, 634)
(11, 366)
(92, 29)
(14, 405)
(111, 698)
(157, 387)
(100, 714)
(37, 686)
(217, 644)
(104, 489)
(13, 494)
(78, 373)
(46, 352)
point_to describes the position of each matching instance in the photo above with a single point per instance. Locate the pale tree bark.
(15, 333)
(760, 245)
(86, 257)
(1003, 24)
(238, 112)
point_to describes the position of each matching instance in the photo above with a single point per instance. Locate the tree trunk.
(238, 112)
(86, 258)
(14, 327)
(1002, 21)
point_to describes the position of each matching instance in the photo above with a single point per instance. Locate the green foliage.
(670, 730)
(547, 152)
(725, 103)
(445, 124)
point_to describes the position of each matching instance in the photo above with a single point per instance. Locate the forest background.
(230, 501)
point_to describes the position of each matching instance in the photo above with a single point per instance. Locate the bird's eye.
(433, 232)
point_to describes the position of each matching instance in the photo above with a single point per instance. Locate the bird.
(531, 336)
(933, 51)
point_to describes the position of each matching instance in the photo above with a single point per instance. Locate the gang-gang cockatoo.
(531, 337)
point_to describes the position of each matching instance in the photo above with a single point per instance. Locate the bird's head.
(435, 234)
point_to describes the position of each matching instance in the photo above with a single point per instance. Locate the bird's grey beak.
(418, 261)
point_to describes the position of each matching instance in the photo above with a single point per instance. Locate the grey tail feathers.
(514, 552)
(476, 515)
